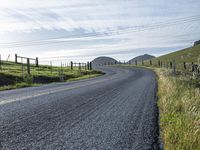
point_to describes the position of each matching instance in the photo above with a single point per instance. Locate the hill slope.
(188, 55)
(140, 58)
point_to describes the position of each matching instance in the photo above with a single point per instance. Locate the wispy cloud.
(124, 24)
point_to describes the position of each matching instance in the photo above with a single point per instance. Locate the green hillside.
(187, 55)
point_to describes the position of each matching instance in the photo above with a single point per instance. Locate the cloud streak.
(121, 22)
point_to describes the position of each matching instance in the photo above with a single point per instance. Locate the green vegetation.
(179, 99)
(13, 76)
(179, 105)
(187, 55)
(191, 54)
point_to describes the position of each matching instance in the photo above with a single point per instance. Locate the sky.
(81, 30)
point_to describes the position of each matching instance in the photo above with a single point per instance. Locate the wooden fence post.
(28, 66)
(136, 62)
(36, 62)
(16, 58)
(192, 66)
(170, 65)
(71, 64)
(158, 63)
(90, 65)
(184, 65)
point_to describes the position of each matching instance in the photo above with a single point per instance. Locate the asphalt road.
(115, 111)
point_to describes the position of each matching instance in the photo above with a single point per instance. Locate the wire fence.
(175, 66)
(23, 66)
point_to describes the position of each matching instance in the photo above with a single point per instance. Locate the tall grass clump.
(179, 105)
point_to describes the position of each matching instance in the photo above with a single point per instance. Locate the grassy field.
(12, 76)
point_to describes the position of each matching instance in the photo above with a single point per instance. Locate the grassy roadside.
(179, 100)
(11, 76)
(26, 84)
(179, 109)
(179, 106)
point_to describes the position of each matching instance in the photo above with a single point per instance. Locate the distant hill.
(140, 58)
(99, 61)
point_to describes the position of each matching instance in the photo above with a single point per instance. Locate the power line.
(44, 42)
(96, 35)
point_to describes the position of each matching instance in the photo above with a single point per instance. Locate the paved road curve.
(114, 111)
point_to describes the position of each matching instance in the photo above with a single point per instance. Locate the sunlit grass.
(187, 55)
(179, 99)
(179, 105)
(13, 76)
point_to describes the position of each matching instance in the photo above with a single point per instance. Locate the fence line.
(175, 66)
(28, 68)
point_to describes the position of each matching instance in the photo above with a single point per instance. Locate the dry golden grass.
(179, 105)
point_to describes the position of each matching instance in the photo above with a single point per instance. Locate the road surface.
(116, 111)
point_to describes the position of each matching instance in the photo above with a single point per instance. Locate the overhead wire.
(55, 40)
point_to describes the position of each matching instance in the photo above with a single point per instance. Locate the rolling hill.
(99, 61)
(140, 58)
